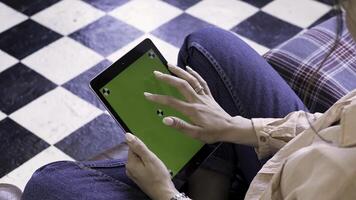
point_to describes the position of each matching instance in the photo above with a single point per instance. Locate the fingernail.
(168, 121)
(189, 68)
(147, 94)
(129, 137)
(157, 73)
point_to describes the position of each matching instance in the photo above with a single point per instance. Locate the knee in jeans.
(205, 35)
(47, 177)
(211, 39)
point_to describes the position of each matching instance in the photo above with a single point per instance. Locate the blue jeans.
(241, 81)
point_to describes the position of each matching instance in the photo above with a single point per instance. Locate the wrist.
(240, 131)
(166, 193)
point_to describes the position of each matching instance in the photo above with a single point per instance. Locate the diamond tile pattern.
(275, 31)
(30, 7)
(17, 145)
(106, 5)
(6, 61)
(290, 11)
(26, 38)
(185, 23)
(182, 4)
(23, 173)
(55, 115)
(106, 35)
(2, 116)
(73, 15)
(259, 3)
(7, 22)
(19, 85)
(51, 49)
(103, 130)
(155, 13)
(226, 10)
(62, 60)
(80, 84)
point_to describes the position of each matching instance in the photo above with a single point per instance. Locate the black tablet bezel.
(116, 68)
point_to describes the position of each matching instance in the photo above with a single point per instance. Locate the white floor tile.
(222, 13)
(21, 175)
(68, 16)
(169, 52)
(6, 61)
(55, 115)
(146, 15)
(9, 17)
(302, 13)
(62, 60)
(2, 116)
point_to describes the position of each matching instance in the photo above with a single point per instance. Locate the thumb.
(180, 124)
(138, 147)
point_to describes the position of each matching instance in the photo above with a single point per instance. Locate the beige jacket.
(304, 166)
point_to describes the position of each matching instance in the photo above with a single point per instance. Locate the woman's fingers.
(138, 148)
(180, 124)
(132, 161)
(202, 82)
(192, 80)
(172, 102)
(182, 85)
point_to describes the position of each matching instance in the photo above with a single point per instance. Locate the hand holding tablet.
(148, 171)
(121, 87)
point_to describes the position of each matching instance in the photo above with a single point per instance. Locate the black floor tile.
(93, 138)
(270, 33)
(182, 4)
(20, 85)
(30, 7)
(26, 38)
(80, 84)
(106, 35)
(17, 145)
(185, 24)
(258, 3)
(330, 2)
(106, 5)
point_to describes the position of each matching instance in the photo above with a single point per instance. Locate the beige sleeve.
(273, 133)
(323, 172)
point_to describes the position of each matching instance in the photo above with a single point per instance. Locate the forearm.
(267, 135)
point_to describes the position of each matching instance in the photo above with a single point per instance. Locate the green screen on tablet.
(124, 93)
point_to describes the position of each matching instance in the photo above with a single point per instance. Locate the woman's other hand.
(148, 171)
(209, 122)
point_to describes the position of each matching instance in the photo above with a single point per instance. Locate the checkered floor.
(50, 49)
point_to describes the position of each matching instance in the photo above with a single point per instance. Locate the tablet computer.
(121, 86)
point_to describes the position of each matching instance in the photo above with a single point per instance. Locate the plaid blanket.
(296, 59)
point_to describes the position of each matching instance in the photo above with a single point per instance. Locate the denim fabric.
(241, 81)
(67, 180)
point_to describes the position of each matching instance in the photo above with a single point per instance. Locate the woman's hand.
(148, 171)
(210, 123)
